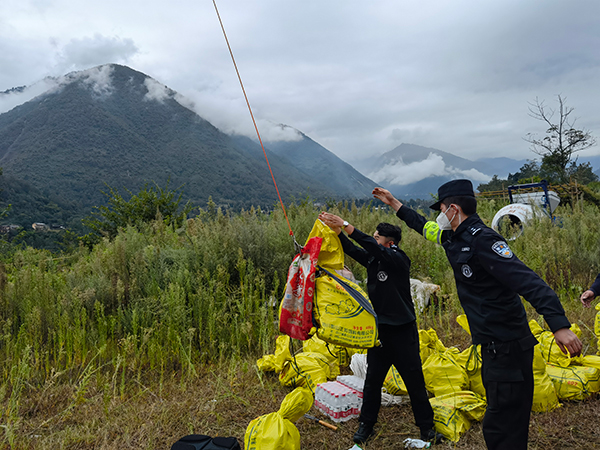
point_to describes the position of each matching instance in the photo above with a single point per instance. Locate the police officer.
(591, 293)
(489, 281)
(388, 284)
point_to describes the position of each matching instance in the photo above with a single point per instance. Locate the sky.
(358, 77)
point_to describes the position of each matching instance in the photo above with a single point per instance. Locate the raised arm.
(386, 197)
(428, 228)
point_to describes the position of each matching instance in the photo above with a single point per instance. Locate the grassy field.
(155, 334)
(223, 400)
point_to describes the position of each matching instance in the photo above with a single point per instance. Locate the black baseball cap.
(454, 188)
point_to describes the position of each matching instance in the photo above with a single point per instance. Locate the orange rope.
(252, 115)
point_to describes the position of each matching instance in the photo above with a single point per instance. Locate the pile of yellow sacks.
(453, 377)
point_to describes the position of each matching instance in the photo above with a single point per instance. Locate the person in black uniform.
(489, 279)
(591, 293)
(388, 285)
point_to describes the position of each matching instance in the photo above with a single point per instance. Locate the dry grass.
(223, 400)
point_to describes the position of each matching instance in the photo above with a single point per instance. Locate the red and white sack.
(295, 315)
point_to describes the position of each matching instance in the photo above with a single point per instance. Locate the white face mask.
(443, 222)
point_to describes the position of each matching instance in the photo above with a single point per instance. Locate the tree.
(583, 173)
(562, 139)
(495, 184)
(150, 203)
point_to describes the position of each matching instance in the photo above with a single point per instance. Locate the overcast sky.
(359, 77)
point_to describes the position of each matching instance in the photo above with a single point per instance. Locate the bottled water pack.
(338, 401)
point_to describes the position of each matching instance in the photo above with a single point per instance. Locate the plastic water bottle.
(416, 443)
(338, 401)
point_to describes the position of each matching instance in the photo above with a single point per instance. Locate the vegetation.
(533, 172)
(562, 140)
(153, 333)
(152, 202)
(557, 149)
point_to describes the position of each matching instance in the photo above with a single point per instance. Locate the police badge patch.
(382, 276)
(502, 249)
(466, 270)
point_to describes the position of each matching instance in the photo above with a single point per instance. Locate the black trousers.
(507, 375)
(400, 347)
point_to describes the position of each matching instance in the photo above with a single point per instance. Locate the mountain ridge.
(117, 126)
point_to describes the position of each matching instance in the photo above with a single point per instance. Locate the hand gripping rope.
(297, 246)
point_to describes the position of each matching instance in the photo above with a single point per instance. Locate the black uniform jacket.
(489, 280)
(388, 281)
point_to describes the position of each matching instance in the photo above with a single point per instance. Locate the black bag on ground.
(203, 442)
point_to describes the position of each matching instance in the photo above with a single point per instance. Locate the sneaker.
(365, 431)
(432, 436)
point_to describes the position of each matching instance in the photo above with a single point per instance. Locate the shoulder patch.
(502, 249)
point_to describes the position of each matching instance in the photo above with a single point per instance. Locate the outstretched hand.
(587, 297)
(568, 341)
(386, 197)
(332, 221)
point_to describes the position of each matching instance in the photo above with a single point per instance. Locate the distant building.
(5, 229)
(39, 226)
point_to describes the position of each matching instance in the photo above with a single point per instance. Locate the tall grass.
(160, 302)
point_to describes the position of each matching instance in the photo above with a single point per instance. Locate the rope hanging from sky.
(253, 121)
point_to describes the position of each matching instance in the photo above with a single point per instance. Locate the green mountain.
(316, 161)
(29, 205)
(113, 125)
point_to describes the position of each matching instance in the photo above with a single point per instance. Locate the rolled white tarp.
(509, 221)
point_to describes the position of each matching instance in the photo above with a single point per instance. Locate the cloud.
(99, 79)
(21, 95)
(97, 50)
(157, 91)
(401, 174)
(231, 115)
(450, 75)
(280, 132)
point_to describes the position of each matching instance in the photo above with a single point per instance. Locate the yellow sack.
(345, 355)
(276, 431)
(470, 360)
(464, 323)
(328, 351)
(597, 328)
(341, 319)
(429, 343)
(590, 361)
(443, 374)
(331, 256)
(548, 346)
(575, 382)
(274, 363)
(454, 412)
(306, 369)
(394, 384)
(544, 392)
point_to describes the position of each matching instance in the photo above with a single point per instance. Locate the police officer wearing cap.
(490, 280)
(388, 284)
